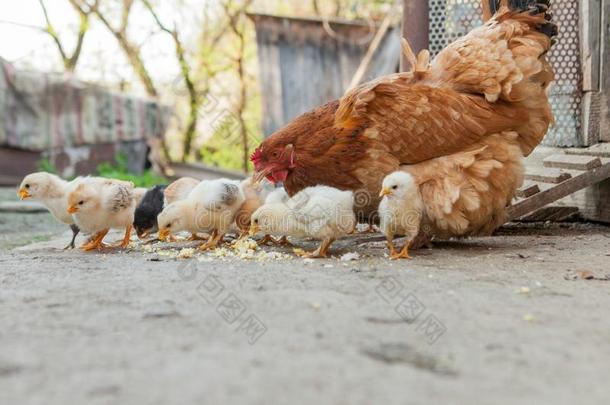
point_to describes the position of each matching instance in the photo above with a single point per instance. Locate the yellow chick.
(210, 207)
(179, 189)
(255, 194)
(52, 191)
(320, 212)
(138, 194)
(400, 211)
(98, 205)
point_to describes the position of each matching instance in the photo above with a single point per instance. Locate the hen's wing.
(419, 121)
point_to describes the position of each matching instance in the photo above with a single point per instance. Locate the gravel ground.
(517, 318)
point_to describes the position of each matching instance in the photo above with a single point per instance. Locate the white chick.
(52, 191)
(320, 212)
(177, 191)
(210, 207)
(400, 211)
(98, 205)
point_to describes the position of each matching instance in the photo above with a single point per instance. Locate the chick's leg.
(75, 231)
(283, 241)
(126, 239)
(194, 237)
(320, 252)
(96, 242)
(404, 253)
(213, 242)
(391, 246)
(265, 240)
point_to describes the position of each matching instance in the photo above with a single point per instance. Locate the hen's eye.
(394, 187)
(275, 154)
(81, 202)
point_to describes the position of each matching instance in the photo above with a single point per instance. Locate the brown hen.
(460, 124)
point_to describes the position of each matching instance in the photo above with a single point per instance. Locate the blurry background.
(143, 88)
(124, 76)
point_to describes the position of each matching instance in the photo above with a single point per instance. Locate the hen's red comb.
(257, 155)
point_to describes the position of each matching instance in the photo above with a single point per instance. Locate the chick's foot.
(95, 243)
(320, 253)
(126, 239)
(404, 253)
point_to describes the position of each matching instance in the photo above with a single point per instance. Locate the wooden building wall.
(304, 63)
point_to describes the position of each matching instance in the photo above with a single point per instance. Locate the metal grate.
(451, 19)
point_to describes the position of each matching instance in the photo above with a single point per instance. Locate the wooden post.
(415, 27)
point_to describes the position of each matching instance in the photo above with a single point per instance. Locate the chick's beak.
(385, 191)
(253, 229)
(164, 234)
(142, 234)
(72, 209)
(23, 193)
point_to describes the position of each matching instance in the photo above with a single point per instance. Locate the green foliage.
(45, 165)
(120, 171)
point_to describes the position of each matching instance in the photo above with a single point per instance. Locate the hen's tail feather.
(534, 7)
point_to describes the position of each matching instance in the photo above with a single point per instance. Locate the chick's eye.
(394, 187)
(256, 221)
(27, 186)
(169, 225)
(81, 202)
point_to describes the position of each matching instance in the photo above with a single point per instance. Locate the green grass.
(119, 171)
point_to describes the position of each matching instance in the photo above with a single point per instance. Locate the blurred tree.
(70, 60)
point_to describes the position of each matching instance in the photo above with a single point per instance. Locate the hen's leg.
(96, 242)
(75, 231)
(404, 253)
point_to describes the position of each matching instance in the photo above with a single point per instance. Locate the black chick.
(145, 218)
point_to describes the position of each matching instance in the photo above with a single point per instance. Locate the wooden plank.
(528, 191)
(601, 150)
(546, 175)
(572, 162)
(590, 27)
(552, 213)
(562, 190)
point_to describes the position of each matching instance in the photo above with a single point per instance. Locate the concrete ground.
(521, 317)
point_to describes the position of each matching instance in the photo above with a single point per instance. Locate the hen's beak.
(253, 229)
(385, 191)
(164, 234)
(23, 193)
(72, 209)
